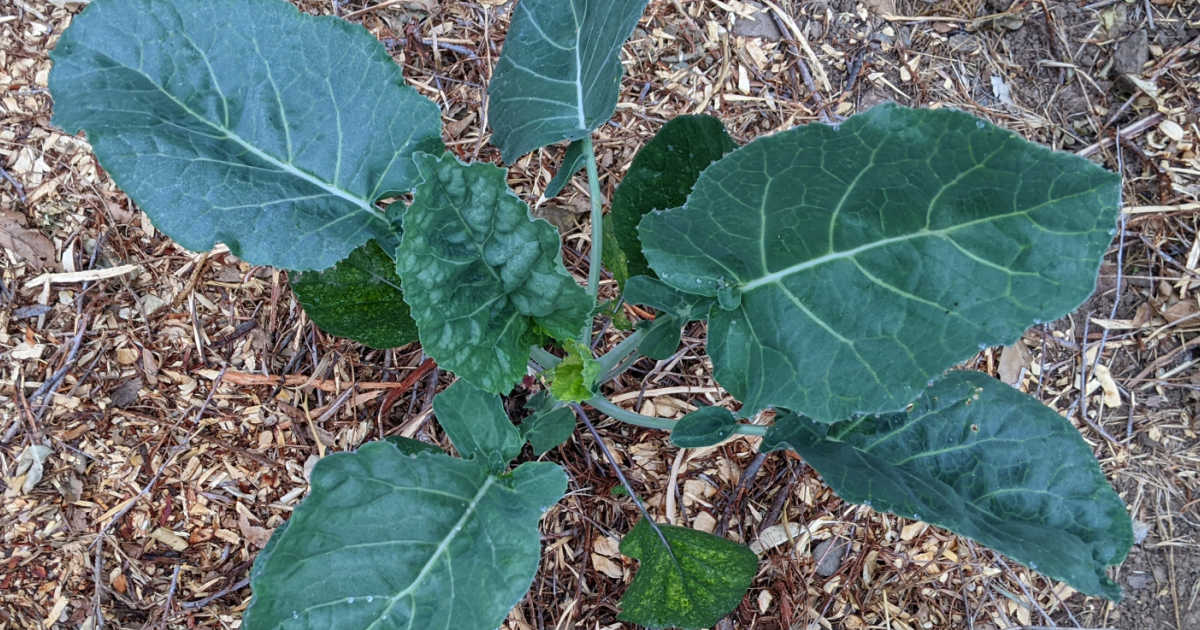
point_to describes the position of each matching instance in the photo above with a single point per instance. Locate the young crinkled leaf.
(479, 273)
(477, 425)
(573, 379)
(388, 540)
(559, 73)
(981, 459)
(661, 176)
(235, 121)
(853, 264)
(690, 582)
(358, 298)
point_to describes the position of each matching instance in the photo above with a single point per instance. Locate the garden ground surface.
(188, 394)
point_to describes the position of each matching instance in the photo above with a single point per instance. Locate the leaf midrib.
(778, 276)
(282, 166)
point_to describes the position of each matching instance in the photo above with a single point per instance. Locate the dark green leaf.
(675, 309)
(480, 273)
(692, 583)
(854, 263)
(550, 424)
(661, 176)
(573, 160)
(703, 427)
(358, 298)
(559, 73)
(477, 425)
(237, 121)
(386, 540)
(409, 446)
(981, 459)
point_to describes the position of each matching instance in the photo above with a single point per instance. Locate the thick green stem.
(589, 153)
(612, 358)
(610, 409)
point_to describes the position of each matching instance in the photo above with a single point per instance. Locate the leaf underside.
(573, 160)
(237, 121)
(675, 309)
(559, 73)
(477, 425)
(661, 176)
(359, 298)
(692, 584)
(388, 540)
(983, 460)
(854, 264)
(480, 274)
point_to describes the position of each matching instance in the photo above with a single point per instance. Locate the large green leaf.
(687, 578)
(983, 460)
(854, 263)
(388, 540)
(358, 298)
(245, 122)
(477, 425)
(661, 176)
(479, 273)
(560, 71)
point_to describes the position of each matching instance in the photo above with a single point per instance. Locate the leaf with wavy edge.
(559, 73)
(358, 298)
(853, 264)
(477, 425)
(480, 274)
(388, 540)
(983, 460)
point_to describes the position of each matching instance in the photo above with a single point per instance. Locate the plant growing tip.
(841, 271)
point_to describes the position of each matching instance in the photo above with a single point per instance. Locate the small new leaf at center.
(572, 380)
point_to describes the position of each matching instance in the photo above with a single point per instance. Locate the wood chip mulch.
(160, 409)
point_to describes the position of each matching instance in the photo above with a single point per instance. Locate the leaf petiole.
(595, 265)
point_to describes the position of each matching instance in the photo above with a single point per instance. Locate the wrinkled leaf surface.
(480, 274)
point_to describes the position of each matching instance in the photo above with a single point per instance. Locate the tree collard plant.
(842, 271)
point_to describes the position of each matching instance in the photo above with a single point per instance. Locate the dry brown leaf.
(255, 535)
(28, 245)
(607, 567)
(1013, 359)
